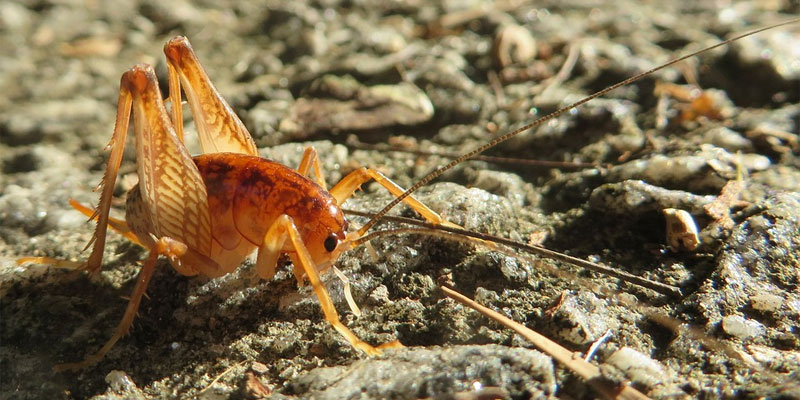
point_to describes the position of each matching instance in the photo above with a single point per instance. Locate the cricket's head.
(325, 236)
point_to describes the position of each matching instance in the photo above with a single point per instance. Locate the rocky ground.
(441, 78)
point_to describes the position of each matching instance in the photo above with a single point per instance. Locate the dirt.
(346, 75)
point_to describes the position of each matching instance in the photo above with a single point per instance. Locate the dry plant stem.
(588, 372)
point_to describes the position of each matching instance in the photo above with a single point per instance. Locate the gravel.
(420, 76)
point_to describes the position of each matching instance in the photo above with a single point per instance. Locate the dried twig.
(590, 373)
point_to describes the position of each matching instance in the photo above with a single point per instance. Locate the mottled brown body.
(246, 194)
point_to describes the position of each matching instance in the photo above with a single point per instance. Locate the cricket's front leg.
(284, 230)
(348, 185)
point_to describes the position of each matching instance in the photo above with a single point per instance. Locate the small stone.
(640, 368)
(638, 197)
(681, 230)
(14, 17)
(380, 295)
(742, 328)
(727, 139)
(120, 383)
(66, 219)
(708, 169)
(344, 104)
(503, 184)
(766, 302)
(259, 368)
(580, 318)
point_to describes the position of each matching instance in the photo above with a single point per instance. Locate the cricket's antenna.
(500, 139)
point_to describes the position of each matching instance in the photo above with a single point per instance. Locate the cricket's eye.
(331, 242)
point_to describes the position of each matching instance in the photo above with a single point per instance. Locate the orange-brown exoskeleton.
(207, 213)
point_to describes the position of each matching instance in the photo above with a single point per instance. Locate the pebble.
(580, 318)
(708, 169)
(120, 384)
(638, 196)
(766, 302)
(640, 368)
(727, 139)
(742, 328)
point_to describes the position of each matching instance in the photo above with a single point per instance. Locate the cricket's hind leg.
(164, 246)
